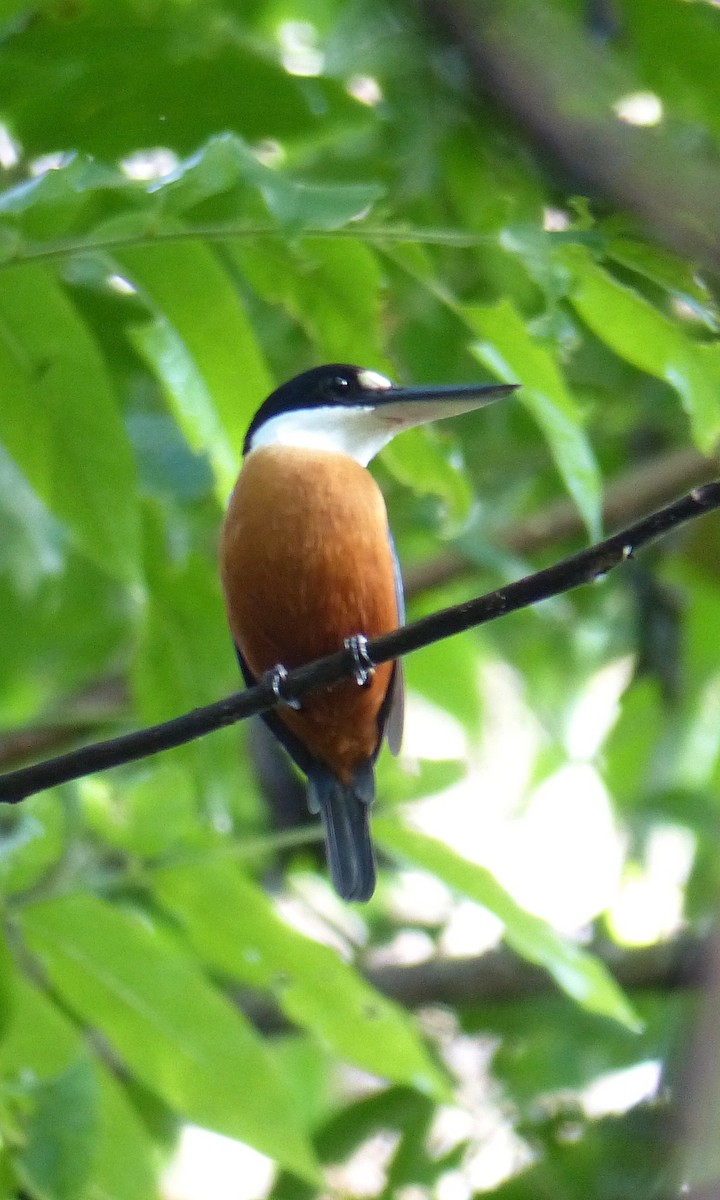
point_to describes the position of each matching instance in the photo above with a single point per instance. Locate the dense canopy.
(200, 199)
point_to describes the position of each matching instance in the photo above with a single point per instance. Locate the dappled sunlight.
(366, 89)
(640, 108)
(299, 48)
(597, 708)
(147, 165)
(431, 732)
(207, 1164)
(200, 201)
(650, 903)
(562, 858)
(618, 1091)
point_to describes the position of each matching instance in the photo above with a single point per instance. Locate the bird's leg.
(276, 677)
(364, 665)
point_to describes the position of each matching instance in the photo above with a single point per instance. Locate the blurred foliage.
(200, 199)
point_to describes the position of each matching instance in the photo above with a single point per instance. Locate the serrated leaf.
(60, 422)
(55, 189)
(576, 971)
(235, 928)
(298, 206)
(173, 1030)
(511, 352)
(227, 162)
(642, 335)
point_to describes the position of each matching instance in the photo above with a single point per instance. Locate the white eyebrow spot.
(373, 380)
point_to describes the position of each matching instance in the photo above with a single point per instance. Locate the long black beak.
(404, 407)
(474, 394)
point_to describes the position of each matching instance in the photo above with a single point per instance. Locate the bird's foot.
(364, 665)
(276, 677)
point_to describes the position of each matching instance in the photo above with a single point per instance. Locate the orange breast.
(306, 562)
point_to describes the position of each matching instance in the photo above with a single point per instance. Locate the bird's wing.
(293, 745)
(391, 717)
(392, 714)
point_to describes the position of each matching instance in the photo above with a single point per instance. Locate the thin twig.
(627, 496)
(500, 977)
(585, 567)
(19, 252)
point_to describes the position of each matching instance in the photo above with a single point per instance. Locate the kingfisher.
(308, 567)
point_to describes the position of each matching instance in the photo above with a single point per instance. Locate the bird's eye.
(333, 386)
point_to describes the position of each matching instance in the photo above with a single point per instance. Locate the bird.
(308, 566)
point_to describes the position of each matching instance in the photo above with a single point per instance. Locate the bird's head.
(356, 411)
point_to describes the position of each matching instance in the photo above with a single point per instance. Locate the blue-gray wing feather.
(392, 714)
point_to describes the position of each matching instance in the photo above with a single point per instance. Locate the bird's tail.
(344, 809)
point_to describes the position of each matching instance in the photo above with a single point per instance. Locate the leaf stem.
(18, 254)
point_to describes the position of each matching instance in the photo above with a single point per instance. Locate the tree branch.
(502, 977)
(585, 567)
(558, 85)
(627, 497)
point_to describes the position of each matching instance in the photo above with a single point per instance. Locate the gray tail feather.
(344, 809)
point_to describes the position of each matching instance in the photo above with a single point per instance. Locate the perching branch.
(628, 496)
(585, 567)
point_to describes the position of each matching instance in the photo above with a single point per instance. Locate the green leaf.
(33, 540)
(150, 814)
(422, 459)
(298, 206)
(60, 1137)
(398, 1109)
(231, 924)
(669, 272)
(165, 75)
(42, 1046)
(173, 1030)
(40, 1038)
(578, 973)
(7, 986)
(511, 352)
(61, 189)
(637, 332)
(188, 396)
(202, 348)
(331, 289)
(125, 1165)
(401, 784)
(33, 844)
(446, 673)
(226, 162)
(184, 657)
(60, 422)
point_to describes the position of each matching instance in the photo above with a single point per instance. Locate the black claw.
(364, 665)
(276, 678)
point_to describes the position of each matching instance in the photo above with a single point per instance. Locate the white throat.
(358, 432)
